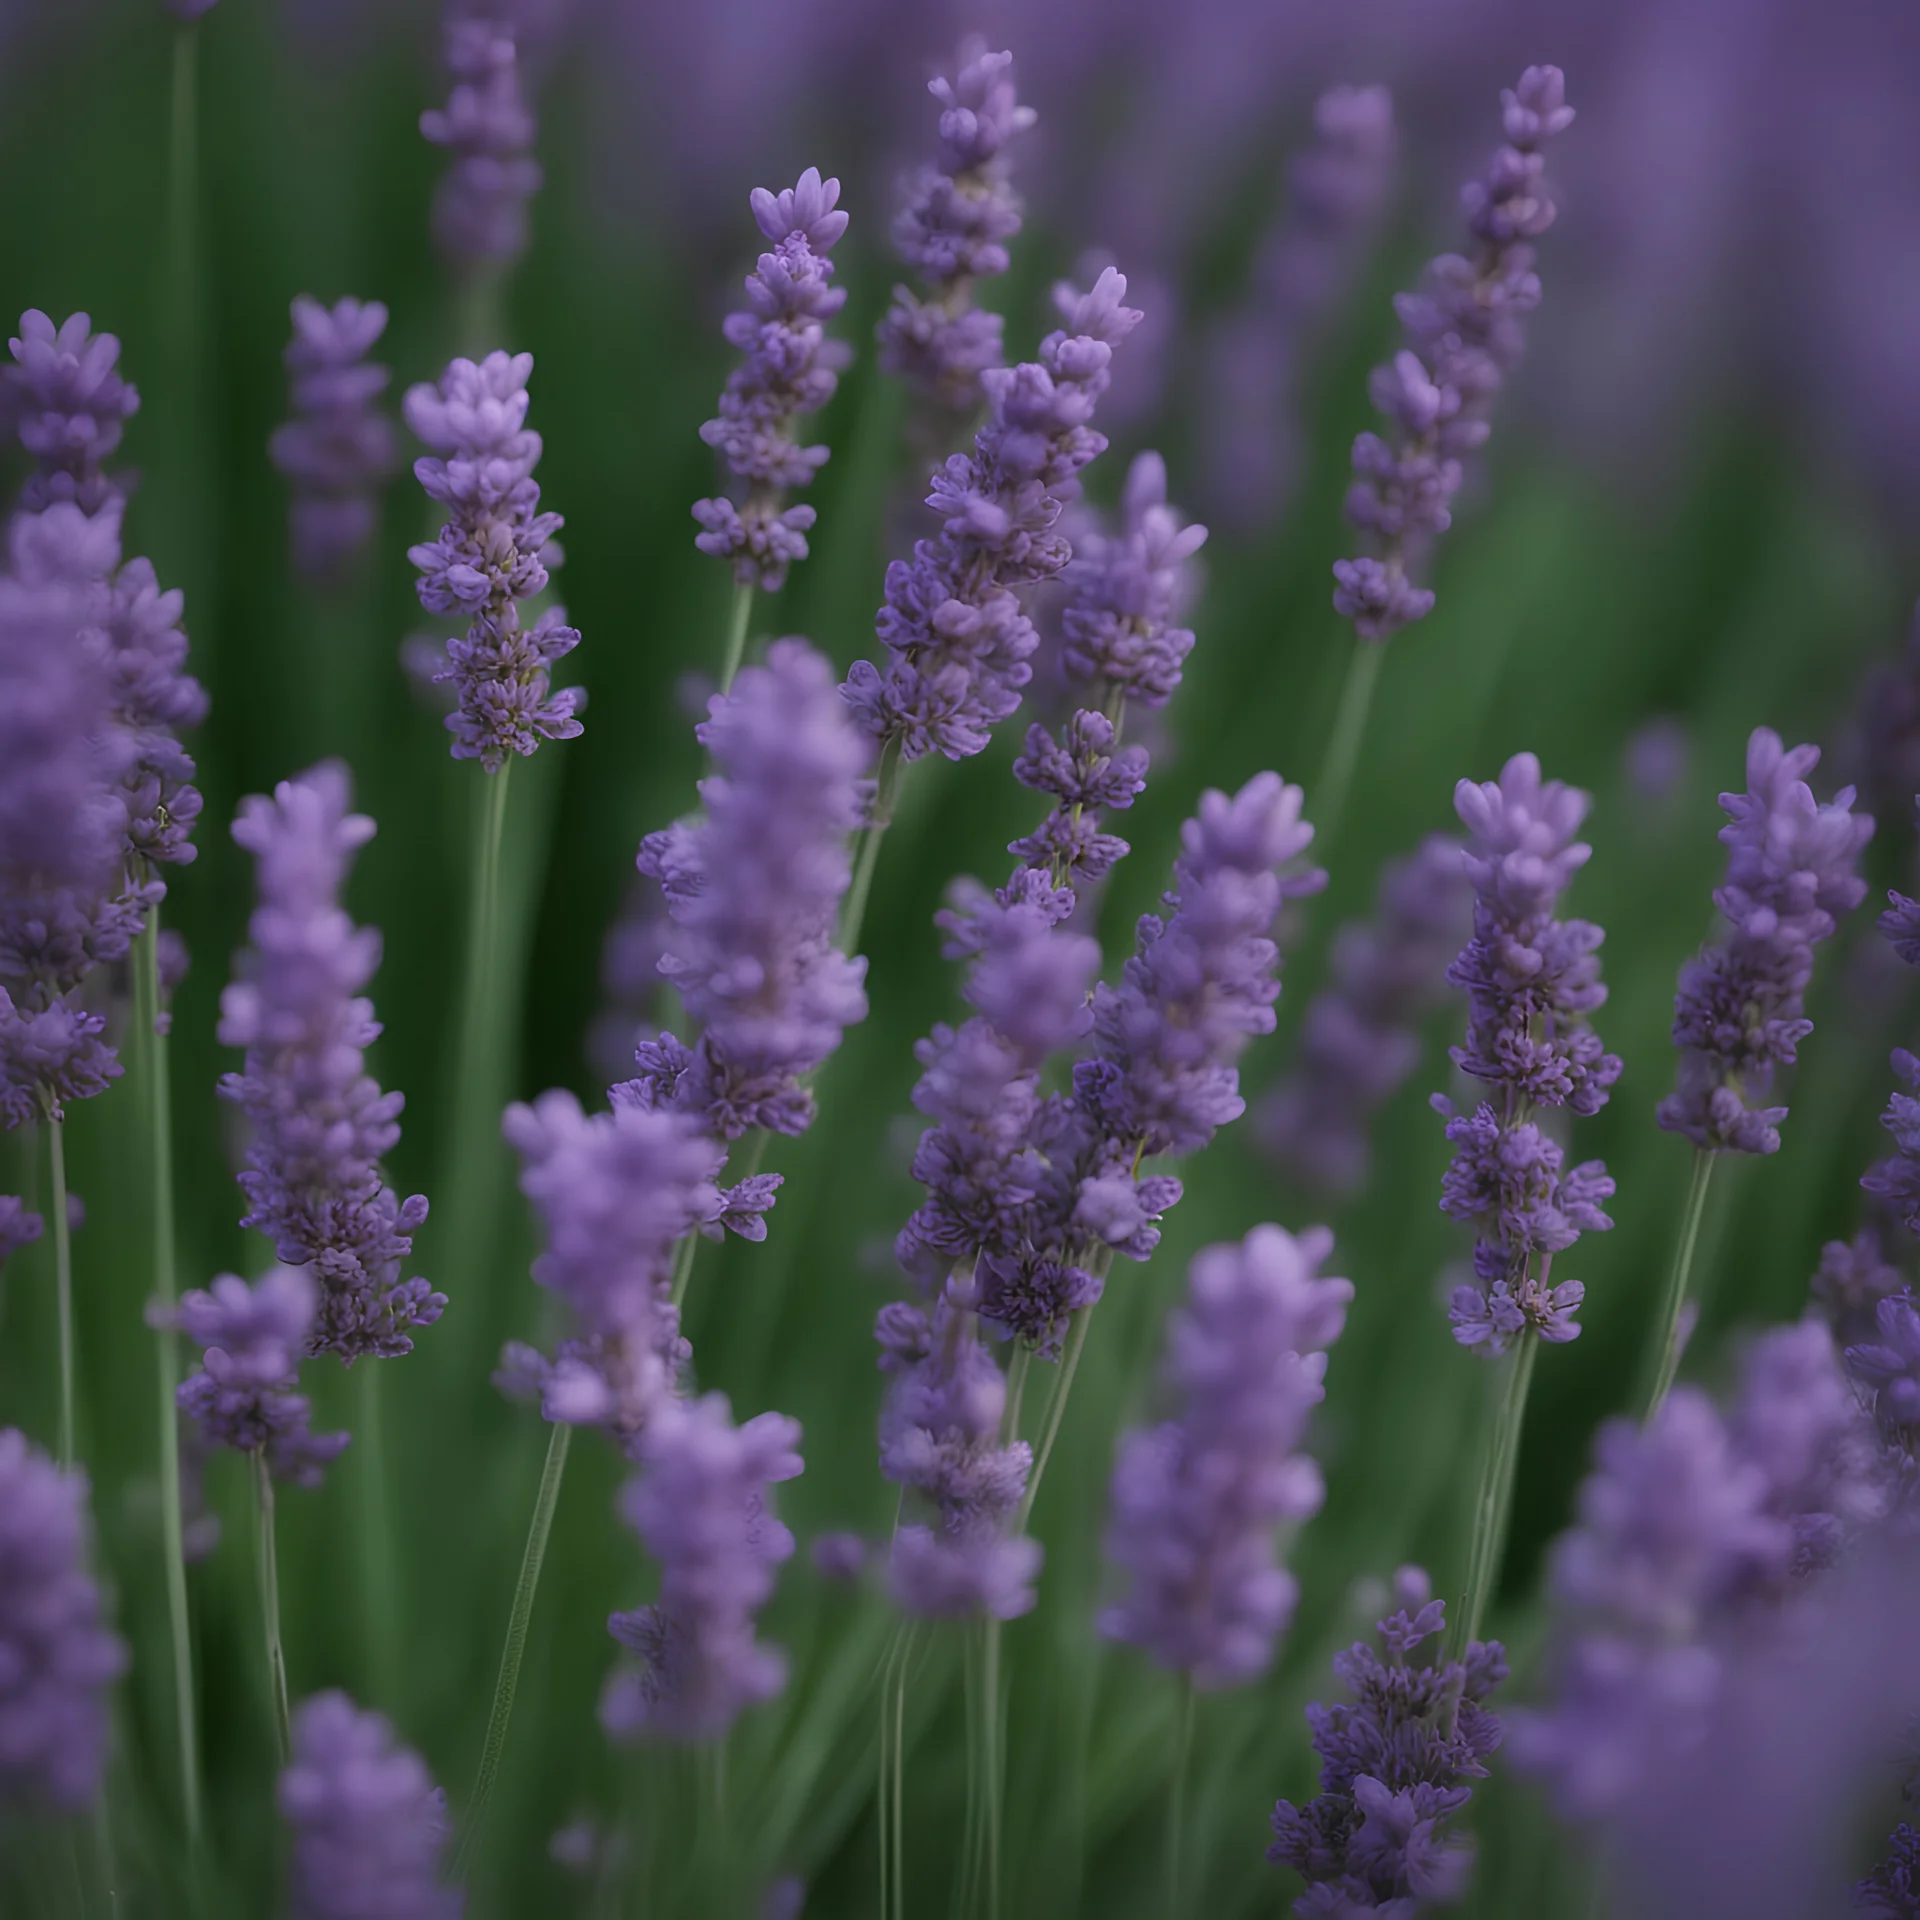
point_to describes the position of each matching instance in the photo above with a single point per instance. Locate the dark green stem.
(1493, 1507)
(268, 1559)
(62, 1277)
(379, 1566)
(1177, 1800)
(991, 1757)
(737, 619)
(886, 796)
(1666, 1354)
(1327, 802)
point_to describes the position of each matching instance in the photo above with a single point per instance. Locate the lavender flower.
(69, 404)
(1896, 1180)
(789, 368)
(244, 1396)
(1337, 190)
(338, 449)
(614, 1191)
(1195, 1503)
(1739, 1013)
(56, 1659)
(1088, 774)
(958, 635)
(1892, 1890)
(1464, 333)
(480, 210)
(369, 1827)
(20, 1226)
(953, 230)
(1360, 1038)
(1854, 1276)
(703, 1505)
(489, 557)
(754, 890)
(1887, 1367)
(1531, 981)
(1394, 1763)
(320, 1122)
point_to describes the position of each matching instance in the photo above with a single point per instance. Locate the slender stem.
(990, 1737)
(379, 1563)
(478, 313)
(886, 795)
(1329, 798)
(743, 1163)
(62, 1277)
(1018, 1368)
(1056, 1411)
(1666, 1355)
(183, 241)
(741, 613)
(1494, 1506)
(512, 1652)
(683, 1259)
(1177, 1800)
(896, 1786)
(153, 1046)
(269, 1563)
(883, 1824)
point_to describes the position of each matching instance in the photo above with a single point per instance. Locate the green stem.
(1056, 1409)
(742, 1164)
(1328, 800)
(896, 1785)
(478, 318)
(153, 1048)
(1666, 1355)
(183, 240)
(515, 1647)
(379, 1566)
(683, 1258)
(1494, 1505)
(886, 796)
(1018, 1368)
(62, 1277)
(990, 1737)
(269, 1565)
(1177, 1800)
(737, 620)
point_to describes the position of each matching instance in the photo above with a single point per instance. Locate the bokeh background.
(1695, 516)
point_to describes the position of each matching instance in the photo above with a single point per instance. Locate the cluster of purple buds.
(959, 638)
(1739, 1014)
(321, 1124)
(56, 1659)
(754, 890)
(703, 1504)
(789, 368)
(1395, 1763)
(1895, 1181)
(1196, 1503)
(1531, 982)
(1360, 1038)
(1853, 1277)
(1464, 332)
(1088, 774)
(480, 210)
(491, 554)
(20, 1226)
(953, 230)
(339, 449)
(1690, 1530)
(246, 1395)
(65, 398)
(369, 1829)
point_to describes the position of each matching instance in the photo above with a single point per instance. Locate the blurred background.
(1694, 520)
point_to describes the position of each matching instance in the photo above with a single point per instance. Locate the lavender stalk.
(268, 1564)
(63, 1275)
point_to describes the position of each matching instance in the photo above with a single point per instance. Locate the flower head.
(487, 125)
(70, 406)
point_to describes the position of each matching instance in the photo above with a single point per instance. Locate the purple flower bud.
(70, 405)
(20, 1226)
(369, 1827)
(1196, 1503)
(480, 210)
(56, 1659)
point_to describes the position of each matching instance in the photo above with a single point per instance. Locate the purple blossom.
(1088, 774)
(321, 1124)
(480, 209)
(703, 1504)
(56, 1659)
(789, 368)
(20, 1226)
(1896, 1180)
(1887, 1367)
(1395, 1761)
(244, 1396)
(1464, 335)
(491, 555)
(368, 1826)
(1360, 1039)
(339, 449)
(69, 404)
(1531, 982)
(614, 1192)
(1739, 1014)
(754, 891)
(953, 230)
(1854, 1276)
(1196, 1503)
(960, 641)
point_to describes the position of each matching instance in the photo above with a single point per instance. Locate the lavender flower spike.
(1196, 1503)
(953, 230)
(244, 1396)
(1464, 336)
(480, 210)
(369, 1827)
(1531, 982)
(56, 1659)
(20, 1226)
(489, 557)
(1738, 1016)
(960, 641)
(1394, 1766)
(754, 890)
(789, 368)
(69, 404)
(703, 1505)
(338, 449)
(320, 1122)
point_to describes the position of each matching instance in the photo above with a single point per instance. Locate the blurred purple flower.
(20, 1226)
(703, 1505)
(1854, 1276)
(69, 405)
(487, 125)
